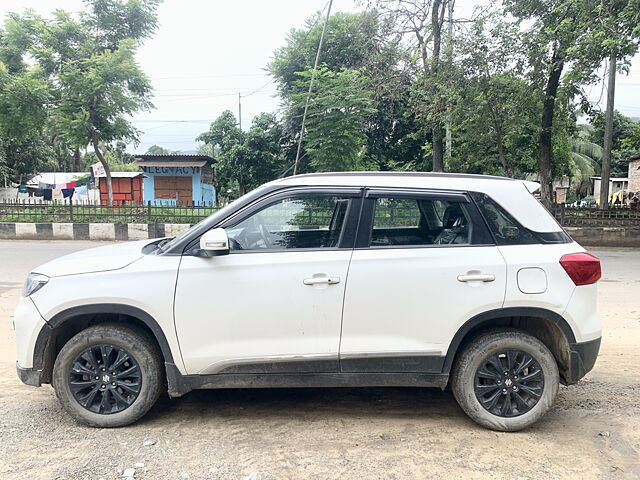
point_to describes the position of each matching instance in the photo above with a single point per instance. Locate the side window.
(296, 222)
(418, 221)
(505, 228)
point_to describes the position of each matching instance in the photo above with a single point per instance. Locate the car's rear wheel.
(505, 380)
(108, 375)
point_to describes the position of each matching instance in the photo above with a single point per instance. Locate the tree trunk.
(77, 160)
(508, 168)
(437, 144)
(546, 148)
(437, 140)
(107, 170)
(608, 136)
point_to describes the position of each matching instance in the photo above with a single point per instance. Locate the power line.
(223, 75)
(313, 76)
(171, 121)
(212, 94)
(257, 90)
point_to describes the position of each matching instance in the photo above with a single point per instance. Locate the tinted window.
(296, 222)
(415, 222)
(505, 228)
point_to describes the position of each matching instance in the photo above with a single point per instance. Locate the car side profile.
(325, 280)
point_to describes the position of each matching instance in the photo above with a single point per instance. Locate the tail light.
(582, 268)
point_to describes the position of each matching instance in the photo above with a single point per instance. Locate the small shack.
(177, 179)
(127, 188)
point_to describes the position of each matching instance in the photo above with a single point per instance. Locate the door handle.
(321, 280)
(476, 277)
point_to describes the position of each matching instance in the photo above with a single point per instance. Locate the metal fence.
(88, 213)
(23, 211)
(593, 217)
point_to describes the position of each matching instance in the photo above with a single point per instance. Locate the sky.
(206, 52)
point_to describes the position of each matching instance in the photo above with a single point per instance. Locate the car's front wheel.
(108, 375)
(505, 380)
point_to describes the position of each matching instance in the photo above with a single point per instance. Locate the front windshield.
(208, 222)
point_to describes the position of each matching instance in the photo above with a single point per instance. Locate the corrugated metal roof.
(145, 163)
(174, 158)
(123, 175)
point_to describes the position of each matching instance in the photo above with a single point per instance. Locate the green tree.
(335, 131)
(365, 42)
(565, 42)
(623, 127)
(245, 160)
(422, 22)
(24, 96)
(585, 160)
(158, 150)
(91, 62)
(632, 140)
(493, 115)
(623, 132)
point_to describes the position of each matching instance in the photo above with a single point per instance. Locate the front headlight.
(35, 281)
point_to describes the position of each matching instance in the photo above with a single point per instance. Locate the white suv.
(339, 279)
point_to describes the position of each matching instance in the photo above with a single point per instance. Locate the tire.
(475, 378)
(109, 401)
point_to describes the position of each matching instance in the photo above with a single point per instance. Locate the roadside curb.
(89, 231)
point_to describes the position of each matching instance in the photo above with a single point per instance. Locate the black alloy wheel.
(105, 379)
(509, 383)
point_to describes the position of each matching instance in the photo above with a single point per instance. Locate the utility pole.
(448, 141)
(313, 77)
(239, 111)
(608, 135)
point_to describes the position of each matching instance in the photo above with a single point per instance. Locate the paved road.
(393, 433)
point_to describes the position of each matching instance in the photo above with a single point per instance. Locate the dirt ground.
(380, 433)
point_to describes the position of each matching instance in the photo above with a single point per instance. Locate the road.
(381, 433)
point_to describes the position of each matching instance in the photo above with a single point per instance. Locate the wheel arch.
(64, 325)
(548, 326)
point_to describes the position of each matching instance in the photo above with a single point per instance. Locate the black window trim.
(347, 236)
(478, 227)
(543, 238)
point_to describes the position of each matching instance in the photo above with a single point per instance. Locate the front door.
(274, 304)
(423, 266)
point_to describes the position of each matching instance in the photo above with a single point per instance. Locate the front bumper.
(28, 323)
(582, 357)
(29, 376)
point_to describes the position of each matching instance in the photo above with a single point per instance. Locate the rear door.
(424, 264)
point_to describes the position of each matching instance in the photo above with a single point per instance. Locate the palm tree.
(584, 161)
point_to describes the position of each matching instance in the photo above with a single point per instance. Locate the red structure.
(127, 188)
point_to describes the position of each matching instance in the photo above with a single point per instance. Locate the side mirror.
(214, 242)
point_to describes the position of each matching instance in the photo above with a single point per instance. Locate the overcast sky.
(205, 52)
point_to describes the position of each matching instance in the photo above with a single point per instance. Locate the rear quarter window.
(505, 229)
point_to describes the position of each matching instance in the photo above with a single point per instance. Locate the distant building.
(615, 185)
(177, 179)
(634, 173)
(560, 189)
(126, 187)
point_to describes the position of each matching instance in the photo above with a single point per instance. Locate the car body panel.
(410, 299)
(99, 259)
(254, 307)
(28, 323)
(147, 284)
(559, 286)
